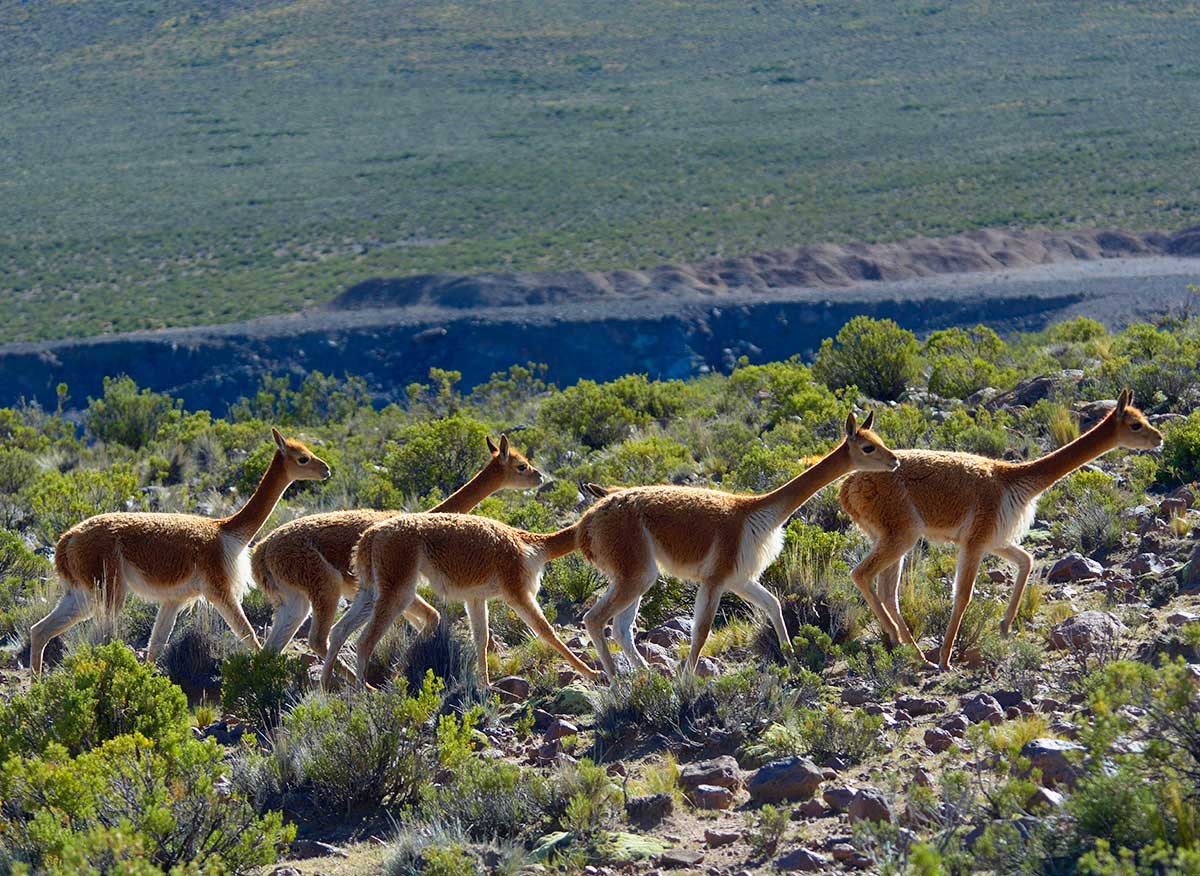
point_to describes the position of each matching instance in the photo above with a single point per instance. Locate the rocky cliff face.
(671, 321)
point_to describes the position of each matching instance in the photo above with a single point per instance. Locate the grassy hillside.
(189, 162)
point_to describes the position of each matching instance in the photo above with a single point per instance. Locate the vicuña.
(721, 541)
(982, 505)
(170, 559)
(304, 566)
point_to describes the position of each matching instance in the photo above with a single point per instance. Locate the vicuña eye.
(522, 467)
(303, 460)
(1133, 427)
(869, 448)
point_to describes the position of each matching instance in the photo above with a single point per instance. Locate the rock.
(1008, 698)
(665, 636)
(1074, 567)
(226, 732)
(1148, 564)
(574, 699)
(657, 655)
(870, 805)
(804, 860)
(1044, 798)
(789, 778)
(647, 811)
(955, 725)
(856, 696)
(711, 797)
(1034, 389)
(1180, 618)
(1053, 758)
(305, 848)
(846, 854)
(721, 771)
(839, 799)
(811, 809)
(707, 667)
(714, 839)
(286, 871)
(512, 688)
(921, 778)
(624, 847)
(920, 706)
(1189, 575)
(938, 740)
(982, 708)
(560, 729)
(1086, 632)
(675, 858)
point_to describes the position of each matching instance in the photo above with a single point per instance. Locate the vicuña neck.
(470, 494)
(1042, 473)
(786, 499)
(246, 523)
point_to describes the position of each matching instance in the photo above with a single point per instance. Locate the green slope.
(168, 163)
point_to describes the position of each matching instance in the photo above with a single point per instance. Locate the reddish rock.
(716, 838)
(1074, 567)
(1086, 632)
(712, 797)
(938, 740)
(870, 805)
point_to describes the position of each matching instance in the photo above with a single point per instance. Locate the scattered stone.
(1052, 758)
(673, 858)
(512, 688)
(1074, 567)
(1148, 564)
(922, 778)
(1172, 507)
(804, 860)
(870, 805)
(721, 771)
(813, 808)
(955, 725)
(1008, 698)
(834, 764)
(716, 838)
(285, 871)
(846, 854)
(1189, 575)
(669, 634)
(711, 797)
(938, 740)
(982, 708)
(856, 696)
(305, 848)
(789, 778)
(1086, 632)
(1034, 389)
(1049, 705)
(839, 799)
(1044, 798)
(707, 667)
(650, 809)
(227, 732)
(657, 655)
(1180, 618)
(560, 729)
(919, 706)
(542, 719)
(574, 699)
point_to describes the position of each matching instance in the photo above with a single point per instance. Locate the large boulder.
(1086, 632)
(789, 778)
(1034, 389)
(1057, 759)
(720, 771)
(1074, 567)
(982, 707)
(869, 804)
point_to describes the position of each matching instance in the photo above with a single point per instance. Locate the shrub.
(962, 361)
(449, 656)
(1180, 460)
(319, 400)
(131, 799)
(98, 694)
(438, 455)
(125, 416)
(1085, 510)
(21, 574)
(821, 733)
(877, 356)
(58, 501)
(256, 685)
(371, 748)
(651, 460)
(592, 798)
(766, 828)
(985, 434)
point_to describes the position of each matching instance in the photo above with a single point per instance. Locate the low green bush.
(877, 356)
(257, 685)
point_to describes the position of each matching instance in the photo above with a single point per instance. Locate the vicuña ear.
(851, 425)
(279, 442)
(492, 448)
(1123, 401)
(503, 447)
(869, 421)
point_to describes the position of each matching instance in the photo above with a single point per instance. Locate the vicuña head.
(1130, 426)
(171, 559)
(866, 449)
(508, 468)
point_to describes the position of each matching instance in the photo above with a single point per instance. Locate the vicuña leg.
(231, 610)
(164, 623)
(964, 584)
(760, 596)
(477, 618)
(623, 625)
(525, 605)
(356, 615)
(883, 555)
(74, 606)
(622, 593)
(708, 599)
(388, 607)
(1023, 560)
(888, 588)
(290, 613)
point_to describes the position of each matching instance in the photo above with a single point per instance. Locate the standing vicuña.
(983, 505)
(461, 557)
(305, 565)
(171, 559)
(720, 540)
